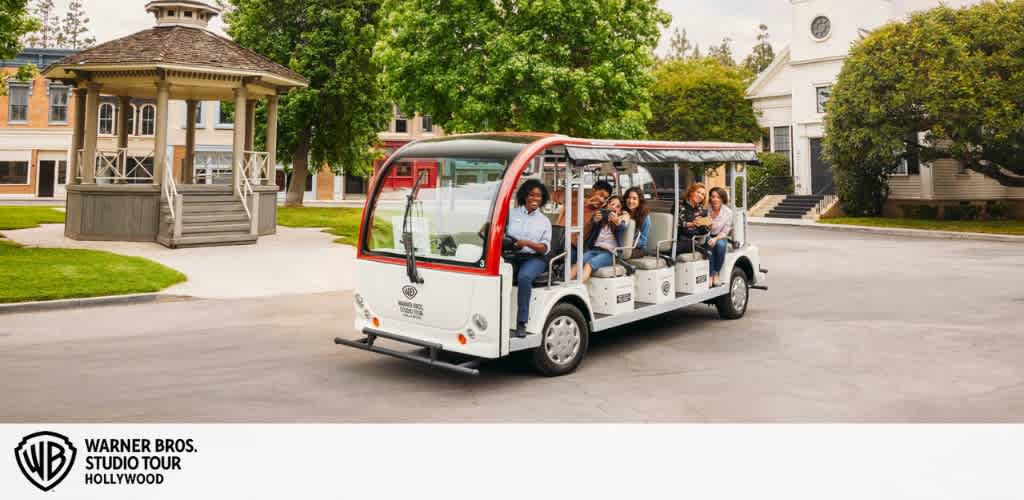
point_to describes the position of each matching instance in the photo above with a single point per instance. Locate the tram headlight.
(360, 302)
(480, 322)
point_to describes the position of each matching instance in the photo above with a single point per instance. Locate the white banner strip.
(511, 461)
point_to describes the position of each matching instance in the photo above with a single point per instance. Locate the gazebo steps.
(210, 216)
(209, 239)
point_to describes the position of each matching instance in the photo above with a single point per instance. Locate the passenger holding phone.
(693, 219)
(608, 226)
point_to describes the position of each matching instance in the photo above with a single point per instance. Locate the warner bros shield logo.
(45, 458)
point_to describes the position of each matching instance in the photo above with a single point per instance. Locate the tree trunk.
(300, 170)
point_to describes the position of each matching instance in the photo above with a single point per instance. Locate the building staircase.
(211, 215)
(796, 207)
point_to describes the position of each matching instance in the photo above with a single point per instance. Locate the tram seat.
(660, 237)
(557, 248)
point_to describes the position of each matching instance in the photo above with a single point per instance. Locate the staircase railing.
(247, 196)
(829, 197)
(175, 203)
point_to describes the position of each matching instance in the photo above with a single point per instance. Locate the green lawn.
(55, 273)
(341, 222)
(26, 217)
(997, 227)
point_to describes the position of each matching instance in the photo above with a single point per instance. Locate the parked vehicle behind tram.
(435, 271)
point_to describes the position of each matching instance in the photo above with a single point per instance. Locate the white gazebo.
(115, 196)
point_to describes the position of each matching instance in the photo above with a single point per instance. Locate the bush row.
(991, 210)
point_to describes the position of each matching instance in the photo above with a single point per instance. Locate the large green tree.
(49, 29)
(701, 99)
(579, 68)
(955, 75)
(15, 21)
(74, 32)
(762, 54)
(333, 122)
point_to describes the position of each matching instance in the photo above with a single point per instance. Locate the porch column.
(250, 134)
(163, 90)
(271, 140)
(74, 175)
(238, 145)
(92, 113)
(123, 108)
(188, 166)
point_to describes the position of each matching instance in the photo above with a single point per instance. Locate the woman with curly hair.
(531, 231)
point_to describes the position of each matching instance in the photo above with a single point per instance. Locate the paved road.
(855, 328)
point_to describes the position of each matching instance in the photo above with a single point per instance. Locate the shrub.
(772, 177)
(963, 211)
(999, 210)
(920, 212)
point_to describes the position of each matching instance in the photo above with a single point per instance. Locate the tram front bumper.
(429, 354)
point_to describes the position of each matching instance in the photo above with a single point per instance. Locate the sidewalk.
(889, 231)
(293, 261)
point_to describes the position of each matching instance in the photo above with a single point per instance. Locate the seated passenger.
(532, 232)
(636, 207)
(721, 226)
(693, 219)
(599, 194)
(609, 227)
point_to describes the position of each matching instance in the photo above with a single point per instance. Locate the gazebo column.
(92, 113)
(188, 166)
(124, 107)
(250, 134)
(271, 140)
(78, 130)
(163, 90)
(238, 145)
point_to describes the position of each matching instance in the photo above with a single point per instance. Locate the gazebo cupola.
(182, 13)
(117, 194)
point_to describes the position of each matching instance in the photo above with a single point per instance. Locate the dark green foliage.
(963, 211)
(700, 99)
(999, 210)
(335, 120)
(957, 75)
(929, 212)
(15, 22)
(772, 177)
(578, 68)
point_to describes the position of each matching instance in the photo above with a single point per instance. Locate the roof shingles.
(179, 45)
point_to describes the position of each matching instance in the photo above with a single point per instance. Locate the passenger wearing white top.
(721, 227)
(531, 231)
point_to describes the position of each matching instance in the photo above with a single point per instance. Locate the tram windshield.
(446, 217)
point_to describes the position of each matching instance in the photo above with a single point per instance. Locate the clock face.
(821, 27)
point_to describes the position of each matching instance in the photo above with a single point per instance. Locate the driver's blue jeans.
(529, 269)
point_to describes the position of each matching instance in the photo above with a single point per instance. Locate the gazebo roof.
(176, 47)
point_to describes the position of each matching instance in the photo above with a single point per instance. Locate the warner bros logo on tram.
(45, 458)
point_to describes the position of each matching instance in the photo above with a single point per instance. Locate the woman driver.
(532, 232)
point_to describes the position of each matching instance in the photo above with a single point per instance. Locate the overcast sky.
(706, 21)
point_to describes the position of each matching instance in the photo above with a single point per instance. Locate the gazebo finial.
(182, 12)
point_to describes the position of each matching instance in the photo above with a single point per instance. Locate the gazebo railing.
(247, 195)
(257, 166)
(117, 166)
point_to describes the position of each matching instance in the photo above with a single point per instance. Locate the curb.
(54, 305)
(895, 231)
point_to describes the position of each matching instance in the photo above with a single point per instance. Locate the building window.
(910, 162)
(13, 172)
(766, 139)
(106, 124)
(403, 170)
(132, 112)
(225, 114)
(62, 172)
(59, 104)
(147, 120)
(200, 122)
(401, 122)
(781, 139)
(822, 95)
(428, 124)
(18, 102)
(188, 13)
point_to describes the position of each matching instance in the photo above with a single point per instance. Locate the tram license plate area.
(611, 295)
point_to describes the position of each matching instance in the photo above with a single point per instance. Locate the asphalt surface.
(854, 328)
